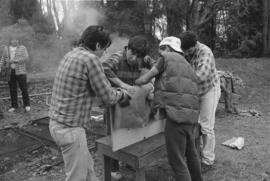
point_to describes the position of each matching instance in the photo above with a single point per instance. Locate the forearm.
(100, 84)
(116, 81)
(147, 77)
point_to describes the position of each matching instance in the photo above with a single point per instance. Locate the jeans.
(21, 79)
(208, 105)
(182, 153)
(79, 165)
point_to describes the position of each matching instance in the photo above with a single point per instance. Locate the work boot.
(116, 176)
(27, 108)
(12, 109)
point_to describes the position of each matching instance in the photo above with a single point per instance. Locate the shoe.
(116, 175)
(206, 168)
(27, 108)
(12, 109)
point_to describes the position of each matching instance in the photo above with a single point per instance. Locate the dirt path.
(252, 163)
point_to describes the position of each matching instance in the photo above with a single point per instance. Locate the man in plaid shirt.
(79, 79)
(203, 62)
(14, 58)
(122, 68)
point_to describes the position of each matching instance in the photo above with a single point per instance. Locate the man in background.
(203, 62)
(15, 56)
(122, 68)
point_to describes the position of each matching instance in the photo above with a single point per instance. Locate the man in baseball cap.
(177, 99)
(173, 43)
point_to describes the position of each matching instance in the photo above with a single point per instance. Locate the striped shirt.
(203, 62)
(79, 79)
(20, 58)
(117, 66)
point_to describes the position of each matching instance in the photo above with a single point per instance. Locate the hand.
(143, 71)
(129, 88)
(124, 101)
(150, 96)
(140, 81)
(147, 59)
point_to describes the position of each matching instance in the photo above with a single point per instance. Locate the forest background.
(48, 28)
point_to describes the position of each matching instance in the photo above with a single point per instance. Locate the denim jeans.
(21, 80)
(208, 105)
(79, 165)
(182, 153)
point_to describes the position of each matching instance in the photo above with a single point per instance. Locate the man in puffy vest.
(176, 97)
(203, 62)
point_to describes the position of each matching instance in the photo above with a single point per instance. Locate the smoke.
(46, 50)
(81, 18)
(118, 43)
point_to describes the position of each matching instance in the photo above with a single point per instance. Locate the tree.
(266, 28)
(5, 18)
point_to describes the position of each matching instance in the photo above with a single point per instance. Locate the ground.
(252, 163)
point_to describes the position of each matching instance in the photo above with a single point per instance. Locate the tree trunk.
(266, 28)
(174, 23)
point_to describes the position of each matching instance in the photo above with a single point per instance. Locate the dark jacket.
(176, 90)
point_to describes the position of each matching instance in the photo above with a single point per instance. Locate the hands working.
(126, 97)
(140, 81)
(129, 88)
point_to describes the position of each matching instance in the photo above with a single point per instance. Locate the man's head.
(95, 39)
(138, 47)
(170, 44)
(14, 41)
(189, 41)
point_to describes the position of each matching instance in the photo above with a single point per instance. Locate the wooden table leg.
(140, 174)
(107, 168)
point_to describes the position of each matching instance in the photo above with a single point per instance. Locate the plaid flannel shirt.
(21, 56)
(117, 66)
(203, 62)
(79, 79)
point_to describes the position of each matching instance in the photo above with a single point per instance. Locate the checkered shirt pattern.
(79, 79)
(21, 56)
(117, 66)
(203, 62)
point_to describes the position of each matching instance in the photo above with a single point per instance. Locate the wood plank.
(153, 156)
(138, 149)
(107, 168)
(122, 138)
(128, 158)
(140, 174)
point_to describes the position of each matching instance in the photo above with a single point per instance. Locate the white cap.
(173, 42)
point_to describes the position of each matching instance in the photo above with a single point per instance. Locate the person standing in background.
(203, 62)
(15, 56)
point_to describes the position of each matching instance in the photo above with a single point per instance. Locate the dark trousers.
(21, 80)
(182, 153)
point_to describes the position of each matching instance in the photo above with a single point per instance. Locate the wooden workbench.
(138, 155)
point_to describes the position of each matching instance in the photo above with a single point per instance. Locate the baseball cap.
(173, 42)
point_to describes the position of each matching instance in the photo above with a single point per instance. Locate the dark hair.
(93, 35)
(138, 45)
(188, 40)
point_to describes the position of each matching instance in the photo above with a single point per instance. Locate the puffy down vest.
(176, 90)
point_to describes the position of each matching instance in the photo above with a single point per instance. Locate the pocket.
(62, 136)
